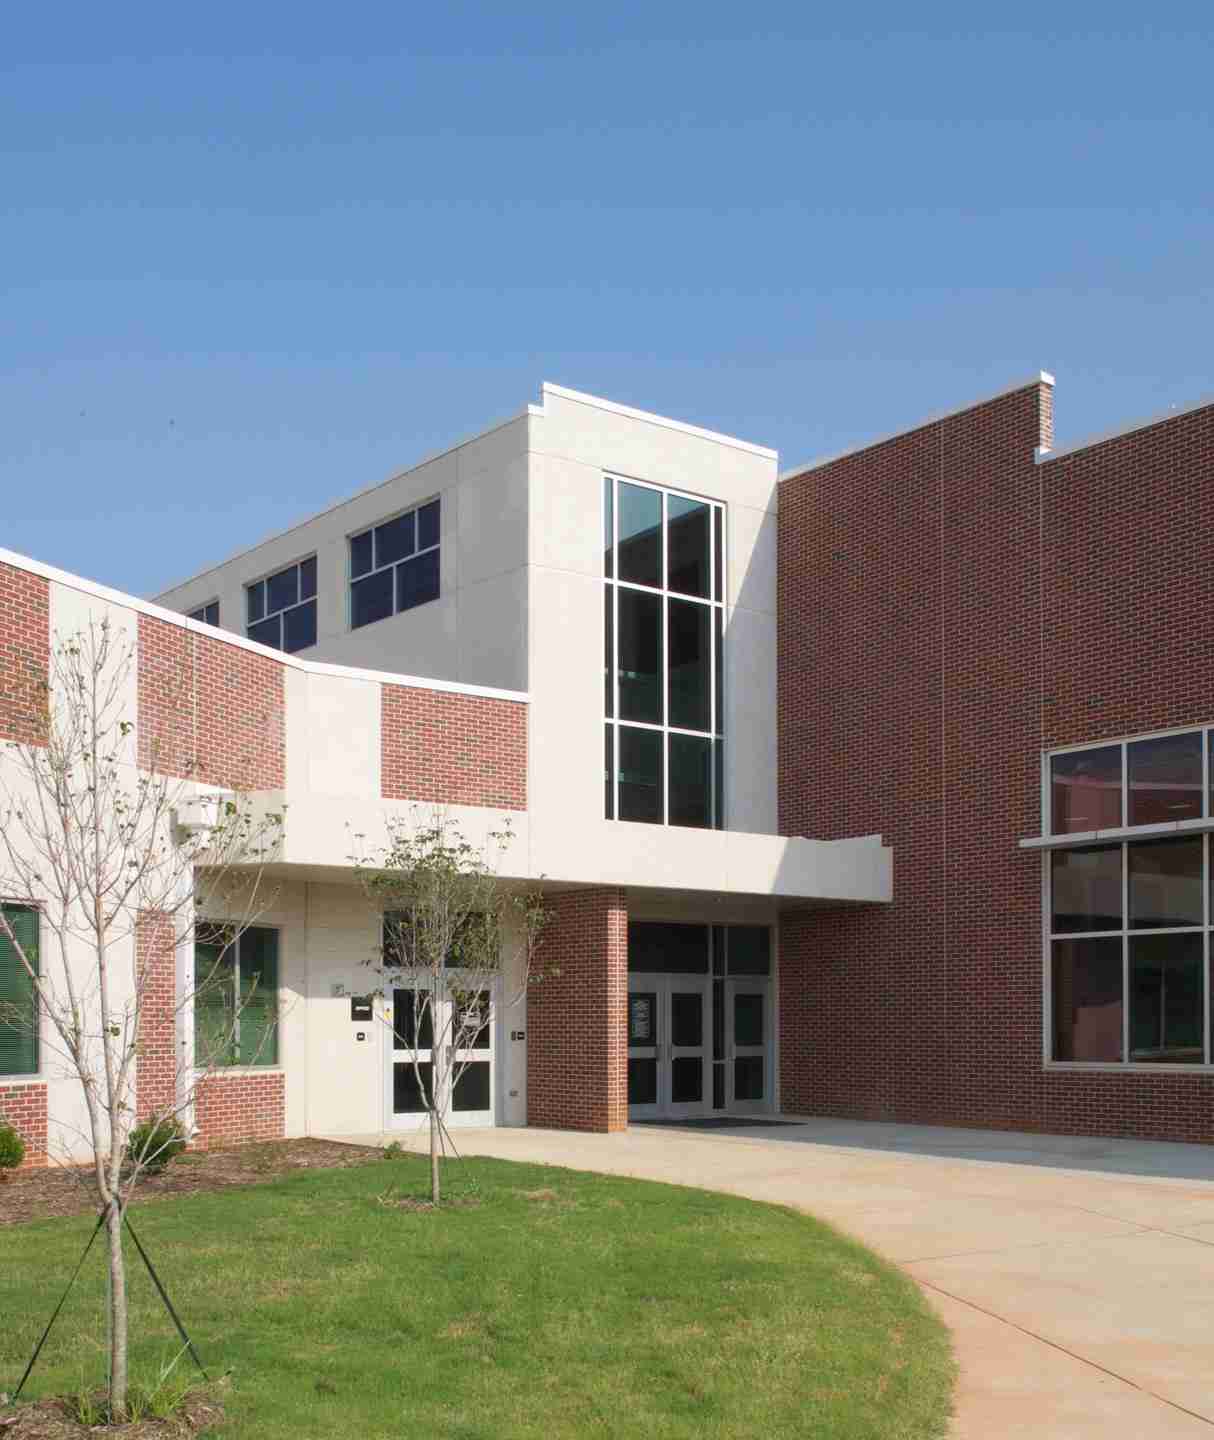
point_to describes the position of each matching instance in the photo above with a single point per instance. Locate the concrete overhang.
(327, 834)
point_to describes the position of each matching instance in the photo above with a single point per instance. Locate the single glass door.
(687, 1049)
(747, 1029)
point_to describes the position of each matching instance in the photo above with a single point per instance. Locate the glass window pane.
(668, 948)
(18, 996)
(1087, 996)
(255, 595)
(214, 1004)
(686, 1019)
(748, 1018)
(718, 759)
(371, 599)
(609, 649)
(361, 560)
(640, 786)
(642, 1082)
(299, 627)
(1167, 1001)
(417, 580)
(718, 624)
(718, 1087)
(748, 1077)
(258, 1020)
(1164, 779)
(642, 1017)
(691, 781)
(472, 1022)
(689, 524)
(395, 539)
(1086, 889)
(749, 950)
(718, 1019)
(686, 1080)
(411, 1017)
(428, 525)
(1165, 883)
(1086, 790)
(307, 578)
(689, 661)
(640, 554)
(212, 613)
(282, 589)
(471, 1090)
(640, 656)
(267, 632)
(608, 523)
(609, 775)
(718, 540)
(408, 1096)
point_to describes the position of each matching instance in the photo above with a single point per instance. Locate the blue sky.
(256, 258)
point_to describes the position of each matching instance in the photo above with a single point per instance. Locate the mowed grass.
(543, 1302)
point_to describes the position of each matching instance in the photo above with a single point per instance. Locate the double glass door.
(441, 1046)
(697, 1046)
(668, 1049)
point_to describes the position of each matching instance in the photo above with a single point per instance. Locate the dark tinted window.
(371, 598)
(282, 589)
(1086, 889)
(299, 627)
(664, 947)
(395, 539)
(688, 543)
(417, 580)
(361, 554)
(641, 779)
(427, 525)
(1164, 778)
(690, 673)
(1087, 1003)
(307, 578)
(640, 557)
(1165, 883)
(640, 656)
(1086, 790)
(1167, 1000)
(691, 780)
(267, 632)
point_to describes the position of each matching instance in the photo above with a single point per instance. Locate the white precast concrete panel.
(751, 563)
(750, 722)
(333, 733)
(493, 628)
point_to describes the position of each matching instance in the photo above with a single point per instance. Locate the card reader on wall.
(361, 1007)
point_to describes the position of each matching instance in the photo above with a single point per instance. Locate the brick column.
(577, 1043)
(156, 1058)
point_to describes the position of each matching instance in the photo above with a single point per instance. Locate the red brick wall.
(247, 1106)
(949, 608)
(24, 1108)
(452, 749)
(156, 1057)
(24, 654)
(577, 1040)
(209, 709)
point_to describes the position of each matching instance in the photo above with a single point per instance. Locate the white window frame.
(612, 585)
(1123, 836)
(352, 579)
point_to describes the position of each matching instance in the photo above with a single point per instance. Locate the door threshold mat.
(716, 1122)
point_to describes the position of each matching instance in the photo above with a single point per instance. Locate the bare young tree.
(119, 863)
(455, 936)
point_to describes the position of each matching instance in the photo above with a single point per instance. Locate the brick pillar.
(156, 1058)
(577, 1042)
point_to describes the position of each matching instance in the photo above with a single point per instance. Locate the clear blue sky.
(257, 257)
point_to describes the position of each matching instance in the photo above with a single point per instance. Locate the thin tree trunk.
(435, 1191)
(118, 1318)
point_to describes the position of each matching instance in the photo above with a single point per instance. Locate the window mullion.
(1125, 943)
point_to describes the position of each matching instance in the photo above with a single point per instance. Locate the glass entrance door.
(465, 1084)
(668, 1045)
(748, 1040)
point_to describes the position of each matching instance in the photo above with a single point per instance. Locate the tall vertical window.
(663, 655)
(282, 608)
(18, 999)
(236, 998)
(1128, 920)
(394, 565)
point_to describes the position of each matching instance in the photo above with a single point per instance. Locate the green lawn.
(549, 1303)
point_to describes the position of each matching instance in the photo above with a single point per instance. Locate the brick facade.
(156, 1056)
(452, 749)
(25, 644)
(244, 1106)
(577, 1040)
(210, 710)
(23, 1106)
(948, 608)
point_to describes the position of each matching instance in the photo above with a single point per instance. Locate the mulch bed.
(52, 1420)
(60, 1190)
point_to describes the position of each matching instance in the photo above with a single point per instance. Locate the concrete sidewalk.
(1077, 1276)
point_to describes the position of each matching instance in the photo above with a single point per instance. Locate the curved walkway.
(1077, 1275)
